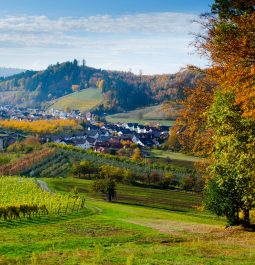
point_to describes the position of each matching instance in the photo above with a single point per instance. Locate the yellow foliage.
(40, 126)
(136, 155)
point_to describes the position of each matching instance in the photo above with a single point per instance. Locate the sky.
(149, 35)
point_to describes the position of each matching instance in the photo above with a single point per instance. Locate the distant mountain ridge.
(122, 91)
(6, 71)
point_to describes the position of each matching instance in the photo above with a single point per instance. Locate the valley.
(130, 141)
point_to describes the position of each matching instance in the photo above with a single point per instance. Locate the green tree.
(107, 180)
(231, 189)
(228, 40)
(106, 186)
(229, 8)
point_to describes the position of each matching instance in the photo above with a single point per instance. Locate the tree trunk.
(109, 196)
(246, 219)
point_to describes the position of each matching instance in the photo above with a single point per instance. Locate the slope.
(142, 116)
(84, 100)
(123, 91)
(121, 233)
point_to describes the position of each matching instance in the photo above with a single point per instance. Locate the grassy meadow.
(173, 155)
(177, 159)
(126, 232)
(84, 100)
(152, 114)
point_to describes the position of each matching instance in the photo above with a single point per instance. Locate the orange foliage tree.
(191, 130)
(225, 114)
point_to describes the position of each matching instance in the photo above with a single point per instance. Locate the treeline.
(89, 170)
(121, 90)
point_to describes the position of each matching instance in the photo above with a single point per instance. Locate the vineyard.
(56, 165)
(25, 198)
(56, 160)
(17, 167)
(47, 162)
(144, 166)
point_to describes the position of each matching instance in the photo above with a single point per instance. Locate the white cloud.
(155, 42)
(141, 23)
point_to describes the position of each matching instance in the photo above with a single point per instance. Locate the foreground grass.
(117, 233)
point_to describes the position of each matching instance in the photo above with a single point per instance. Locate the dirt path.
(43, 185)
(178, 228)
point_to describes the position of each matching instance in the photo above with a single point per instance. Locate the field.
(173, 155)
(84, 100)
(177, 159)
(135, 195)
(153, 114)
(124, 233)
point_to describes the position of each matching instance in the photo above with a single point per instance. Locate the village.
(32, 114)
(101, 137)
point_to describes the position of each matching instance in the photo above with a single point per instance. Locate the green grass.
(83, 100)
(118, 233)
(173, 155)
(152, 114)
(133, 195)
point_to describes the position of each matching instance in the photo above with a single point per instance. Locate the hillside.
(84, 100)
(143, 116)
(126, 233)
(122, 91)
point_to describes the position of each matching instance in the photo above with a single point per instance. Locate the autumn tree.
(75, 88)
(219, 120)
(230, 42)
(101, 85)
(136, 154)
(191, 130)
(230, 8)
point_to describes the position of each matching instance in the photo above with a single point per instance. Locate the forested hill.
(121, 90)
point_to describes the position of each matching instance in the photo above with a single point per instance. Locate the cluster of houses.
(8, 138)
(31, 114)
(109, 138)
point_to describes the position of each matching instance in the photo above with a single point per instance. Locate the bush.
(192, 183)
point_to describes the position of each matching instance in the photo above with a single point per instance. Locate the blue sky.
(152, 35)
